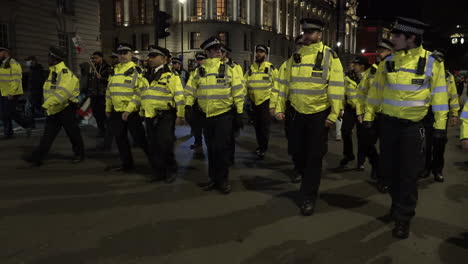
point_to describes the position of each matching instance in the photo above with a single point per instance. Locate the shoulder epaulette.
(437, 57)
(373, 69)
(272, 66)
(139, 69)
(64, 71)
(333, 53)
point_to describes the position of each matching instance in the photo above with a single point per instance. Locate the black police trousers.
(218, 132)
(262, 121)
(308, 144)
(120, 130)
(98, 104)
(349, 122)
(9, 114)
(435, 147)
(161, 139)
(196, 124)
(367, 139)
(68, 120)
(401, 160)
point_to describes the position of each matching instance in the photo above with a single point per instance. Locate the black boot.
(225, 187)
(401, 229)
(438, 177)
(308, 207)
(345, 162)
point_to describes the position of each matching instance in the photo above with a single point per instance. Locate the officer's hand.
(329, 123)
(125, 116)
(465, 144)
(108, 114)
(341, 114)
(272, 111)
(439, 133)
(360, 118)
(453, 121)
(279, 116)
(180, 121)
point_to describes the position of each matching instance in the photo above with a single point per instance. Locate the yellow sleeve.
(464, 123)
(237, 90)
(336, 90)
(439, 99)
(283, 86)
(351, 92)
(454, 103)
(375, 94)
(16, 86)
(190, 88)
(361, 93)
(178, 90)
(274, 89)
(135, 103)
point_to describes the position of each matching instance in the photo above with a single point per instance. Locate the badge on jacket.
(128, 81)
(316, 74)
(417, 81)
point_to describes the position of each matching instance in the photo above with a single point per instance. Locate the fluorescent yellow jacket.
(260, 80)
(123, 92)
(217, 87)
(312, 89)
(401, 92)
(61, 87)
(454, 104)
(351, 92)
(10, 78)
(464, 124)
(363, 88)
(163, 93)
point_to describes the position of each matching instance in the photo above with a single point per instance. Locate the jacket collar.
(58, 67)
(312, 48)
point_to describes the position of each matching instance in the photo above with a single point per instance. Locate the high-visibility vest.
(61, 88)
(464, 123)
(363, 88)
(10, 78)
(260, 80)
(454, 104)
(312, 81)
(406, 84)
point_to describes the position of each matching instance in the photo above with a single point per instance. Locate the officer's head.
(157, 56)
(97, 57)
(125, 52)
(56, 56)
(407, 33)
(261, 53)
(312, 29)
(4, 53)
(384, 48)
(200, 57)
(361, 63)
(176, 63)
(212, 47)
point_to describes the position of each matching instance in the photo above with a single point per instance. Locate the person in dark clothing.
(35, 82)
(96, 89)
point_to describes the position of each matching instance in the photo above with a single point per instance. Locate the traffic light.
(162, 20)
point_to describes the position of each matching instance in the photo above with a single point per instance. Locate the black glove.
(439, 134)
(368, 124)
(238, 122)
(188, 113)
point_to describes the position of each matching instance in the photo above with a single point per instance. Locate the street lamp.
(182, 3)
(363, 51)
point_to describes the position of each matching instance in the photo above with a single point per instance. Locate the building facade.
(29, 28)
(240, 24)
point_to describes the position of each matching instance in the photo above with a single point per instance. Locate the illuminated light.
(363, 51)
(338, 44)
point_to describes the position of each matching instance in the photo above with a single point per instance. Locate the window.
(118, 12)
(195, 40)
(66, 6)
(268, 13)
(198, 8)
(144, 41)
(221, 10)
(243, 11)
(224, 38)
(4, 36)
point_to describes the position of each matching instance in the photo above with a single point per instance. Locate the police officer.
(314, 84)
(197, 118)
(10, 89)
(178, 67)
(371, 134)
(260, 80)
(406, 85)
(122, 106)
(219, 91)
(162, 102)
(435, 147)
(352, 80)
(61, 92)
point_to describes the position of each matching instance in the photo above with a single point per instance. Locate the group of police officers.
(403, 101)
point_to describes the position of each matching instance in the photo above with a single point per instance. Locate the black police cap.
(57, 53)
(312, 24)
(210, 42)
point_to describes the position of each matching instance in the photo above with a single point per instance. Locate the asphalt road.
(67, 213)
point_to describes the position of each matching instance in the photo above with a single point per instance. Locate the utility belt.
(399, 120)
